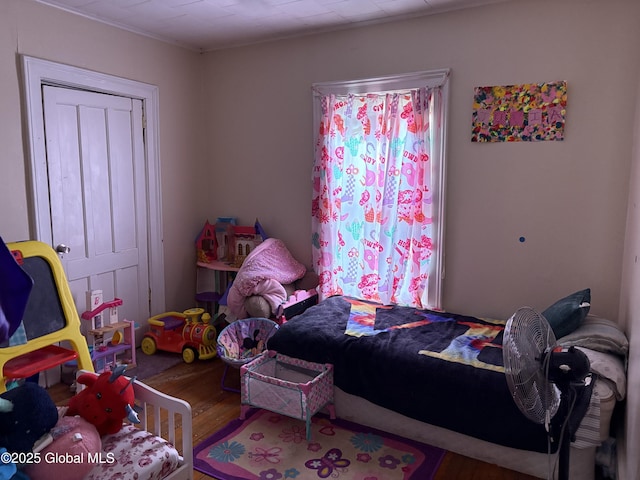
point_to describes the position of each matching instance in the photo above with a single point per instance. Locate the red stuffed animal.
(106, 401)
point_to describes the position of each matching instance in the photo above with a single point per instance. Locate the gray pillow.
(598, 334)
(567, 314)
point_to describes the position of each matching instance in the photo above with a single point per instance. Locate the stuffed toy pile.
(64, 447)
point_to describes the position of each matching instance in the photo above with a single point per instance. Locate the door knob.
(62, 249)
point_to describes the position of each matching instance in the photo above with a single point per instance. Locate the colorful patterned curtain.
(372, 215)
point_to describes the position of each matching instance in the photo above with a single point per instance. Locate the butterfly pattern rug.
(270, 446)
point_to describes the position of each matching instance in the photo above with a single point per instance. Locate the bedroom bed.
(438, 377)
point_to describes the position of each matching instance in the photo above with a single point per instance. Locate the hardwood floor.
(199, 384)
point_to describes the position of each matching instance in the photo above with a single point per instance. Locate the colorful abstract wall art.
(519, 113)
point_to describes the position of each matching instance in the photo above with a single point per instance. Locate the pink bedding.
(264, 271)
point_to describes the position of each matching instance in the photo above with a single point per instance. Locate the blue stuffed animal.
(27, 413)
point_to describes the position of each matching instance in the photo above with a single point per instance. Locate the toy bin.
(288, 386)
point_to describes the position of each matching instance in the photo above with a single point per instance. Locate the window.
(378, 188)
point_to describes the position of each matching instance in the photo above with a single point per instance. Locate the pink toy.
(75, 448)
(297, 303)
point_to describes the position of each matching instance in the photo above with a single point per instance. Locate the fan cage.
(528, 339)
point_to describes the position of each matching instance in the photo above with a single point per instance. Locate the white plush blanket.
(263, 272)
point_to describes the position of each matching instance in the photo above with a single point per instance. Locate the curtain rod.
(317, 92)
(404, 82)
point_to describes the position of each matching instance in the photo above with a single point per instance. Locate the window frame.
(395, 83)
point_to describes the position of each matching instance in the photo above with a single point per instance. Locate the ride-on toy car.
(188, 333)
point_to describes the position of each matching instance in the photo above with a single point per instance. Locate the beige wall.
(568, 199)
(32, 29)
(630, 313)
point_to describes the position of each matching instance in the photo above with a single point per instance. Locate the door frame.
(37, 72)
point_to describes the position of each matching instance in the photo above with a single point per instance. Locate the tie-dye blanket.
(441, 368)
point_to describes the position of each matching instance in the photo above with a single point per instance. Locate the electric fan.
(543, 378)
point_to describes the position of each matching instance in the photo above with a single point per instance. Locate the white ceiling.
(214, 24)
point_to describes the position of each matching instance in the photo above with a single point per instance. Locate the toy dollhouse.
(207, 244)
(244, 241)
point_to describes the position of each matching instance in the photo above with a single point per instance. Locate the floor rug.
(270, 446)
(150, 365)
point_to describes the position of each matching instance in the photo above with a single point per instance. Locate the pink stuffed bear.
(75, 448)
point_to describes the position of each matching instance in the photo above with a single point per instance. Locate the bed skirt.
(359, 410)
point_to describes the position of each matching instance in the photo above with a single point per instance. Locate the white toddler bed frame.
(155, 405)
(169, 418)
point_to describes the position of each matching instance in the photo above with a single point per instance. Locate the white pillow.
(598, 334)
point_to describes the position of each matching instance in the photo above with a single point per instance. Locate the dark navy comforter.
(441, 368)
